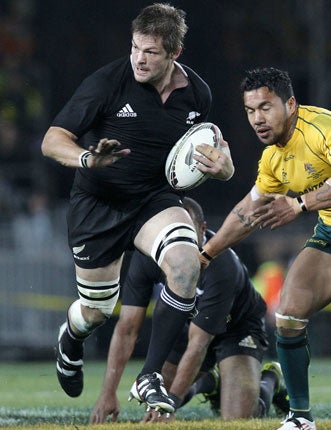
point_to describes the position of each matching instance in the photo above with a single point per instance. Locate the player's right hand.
(105, 405)
(153, 416)
(106, 153)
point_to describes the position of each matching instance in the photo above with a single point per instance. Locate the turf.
(32, 398)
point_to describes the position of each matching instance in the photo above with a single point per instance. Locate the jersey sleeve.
(81, 112)
(266, 181)
(324, 126)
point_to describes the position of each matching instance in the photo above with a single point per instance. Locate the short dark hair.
(193, 206)
(162, 20)
(275, 80)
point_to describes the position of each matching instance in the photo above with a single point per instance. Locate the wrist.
(205, 254)
(302, 204)
(83, 157)
(210, 253)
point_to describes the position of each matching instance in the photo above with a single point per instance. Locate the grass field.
(31, 398)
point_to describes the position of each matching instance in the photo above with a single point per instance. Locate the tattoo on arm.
(323, 195)
(245, 221)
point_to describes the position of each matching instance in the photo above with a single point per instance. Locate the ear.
(176, 54)
(291, 105)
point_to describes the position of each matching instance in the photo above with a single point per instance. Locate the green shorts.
(321, 239)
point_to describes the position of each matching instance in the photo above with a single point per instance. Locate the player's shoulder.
(314, 115)
(196, 80)
(111, 73)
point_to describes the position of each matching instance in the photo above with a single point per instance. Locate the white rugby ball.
(181, 168)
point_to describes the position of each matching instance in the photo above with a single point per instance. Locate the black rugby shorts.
(99, 232)
(247, 338)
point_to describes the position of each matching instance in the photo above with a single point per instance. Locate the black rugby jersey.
(225, 295)
(111, 104)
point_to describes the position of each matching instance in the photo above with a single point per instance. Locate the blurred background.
(46, 49)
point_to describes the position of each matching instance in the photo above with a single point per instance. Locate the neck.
(167, 80)
(290, 129)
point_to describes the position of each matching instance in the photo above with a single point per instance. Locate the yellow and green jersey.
(304, 163)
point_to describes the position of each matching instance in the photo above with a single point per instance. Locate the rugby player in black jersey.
(117, 130)
(229, 325)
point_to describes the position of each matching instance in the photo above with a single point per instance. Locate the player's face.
(269, 116)
(151, 63)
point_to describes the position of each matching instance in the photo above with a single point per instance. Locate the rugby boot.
(214, 396)
(297, 423)
(149, 389)
(280, 399)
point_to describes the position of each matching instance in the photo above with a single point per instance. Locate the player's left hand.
(216, 162)
(279, 211)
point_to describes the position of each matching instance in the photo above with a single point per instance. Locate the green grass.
(30, 396)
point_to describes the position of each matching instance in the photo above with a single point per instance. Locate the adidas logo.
(248, 342)
(126, 112)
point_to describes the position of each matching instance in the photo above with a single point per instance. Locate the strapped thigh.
(101, 295)
(173, 234)
(289, 322)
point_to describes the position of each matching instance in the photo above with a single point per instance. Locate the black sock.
(266, 393)
(205, 384)
(72, 345)
(188, 396)
(169, 317)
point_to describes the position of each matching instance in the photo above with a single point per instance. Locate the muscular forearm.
(318, 199)
(231, 233)
(187, 371)
(60, 145)
(236, 227)
(120, 351)
(191, 361)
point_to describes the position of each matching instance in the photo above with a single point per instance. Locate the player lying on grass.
(229, 322)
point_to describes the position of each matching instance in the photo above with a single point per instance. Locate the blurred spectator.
(33, 230)
(23, 116)
(268, 281)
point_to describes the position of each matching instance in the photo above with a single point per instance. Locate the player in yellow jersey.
(297, 158)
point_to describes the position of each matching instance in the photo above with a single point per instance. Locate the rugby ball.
(181, 168)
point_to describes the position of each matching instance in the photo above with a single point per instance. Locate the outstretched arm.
(191, 361)
(61, 145)
(237, 225)
(120, 350)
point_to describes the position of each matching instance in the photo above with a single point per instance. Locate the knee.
(83, 320)
(182, 273)
(288, 325)
(98, 299)
(93, 317)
